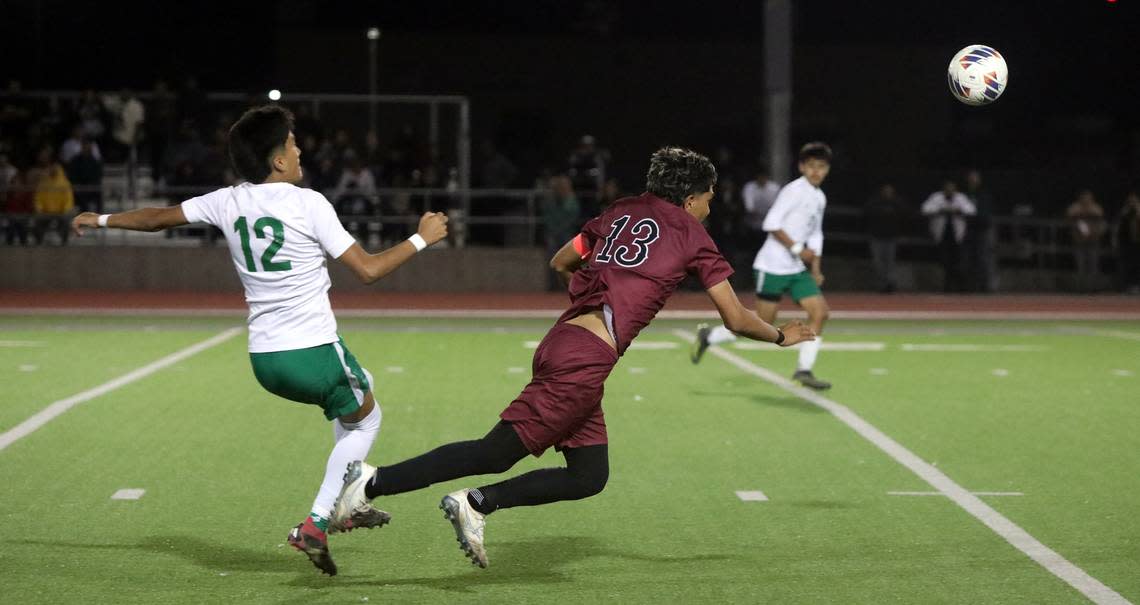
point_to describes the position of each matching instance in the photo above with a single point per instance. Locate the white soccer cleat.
(352, 503)
(468, 524)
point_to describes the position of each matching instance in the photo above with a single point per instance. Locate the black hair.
(676, 173)
(254, 138)
(816, 150)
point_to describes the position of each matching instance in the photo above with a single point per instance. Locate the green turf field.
(1050, 411)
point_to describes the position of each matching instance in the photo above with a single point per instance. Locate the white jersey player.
(279, 236)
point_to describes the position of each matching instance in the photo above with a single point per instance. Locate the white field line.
(942, 494)
(47, 414)
(969, 348)
(128, 493)
(752, 345)
(1118, 334)
(21, 343)
(752, 495)
(1011, 532)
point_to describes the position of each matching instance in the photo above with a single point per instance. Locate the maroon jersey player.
(621, 269)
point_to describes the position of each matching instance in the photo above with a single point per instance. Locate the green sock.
(322, 523)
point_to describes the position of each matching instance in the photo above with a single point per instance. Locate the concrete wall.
(468, 270)
(212, 270)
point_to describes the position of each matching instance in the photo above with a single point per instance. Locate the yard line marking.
(971, 348)
(999, 372)
(21, 343)
(637, 370)
(129, 493)
(752, 496)
(1118, 334)
(649, 345)
(879, 371)
(45, 415)
(942, 494)
(1122, 372)
(827, 346)
(514, 370)
(29, 367)
(394, 369)
(1017, 537)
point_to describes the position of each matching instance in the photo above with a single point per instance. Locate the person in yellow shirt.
(54, 201)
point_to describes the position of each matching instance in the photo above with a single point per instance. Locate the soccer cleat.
(468, 524)
(309, 539)
(365, 517)
(806, 378)
(700, 344)
(352, 508)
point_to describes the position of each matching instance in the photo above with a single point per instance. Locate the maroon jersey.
(638, 252)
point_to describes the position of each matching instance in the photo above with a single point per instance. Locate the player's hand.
(807, 255)
(433, 227)
(84, 220)
(818, 277)
(796, 332)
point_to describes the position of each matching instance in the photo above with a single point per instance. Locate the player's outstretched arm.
(567, 260)
(745, 323)
(371, 267)
(142, 219)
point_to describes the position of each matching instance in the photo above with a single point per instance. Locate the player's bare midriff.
(595, 322)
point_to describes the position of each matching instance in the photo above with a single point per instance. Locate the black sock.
(480, 502)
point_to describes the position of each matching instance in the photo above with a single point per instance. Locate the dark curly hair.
(676, 173)
(254, 138)
(815, 150)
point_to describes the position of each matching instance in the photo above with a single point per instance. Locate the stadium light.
(373, 33)
(275, 95)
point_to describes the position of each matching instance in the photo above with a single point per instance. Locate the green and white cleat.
(352, 509)
(468, 524)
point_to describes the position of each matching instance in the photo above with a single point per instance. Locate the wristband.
(796, 248)
(779, 339)
(102, 222)
(418, 241)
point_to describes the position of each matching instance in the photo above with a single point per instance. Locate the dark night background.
(869, 77)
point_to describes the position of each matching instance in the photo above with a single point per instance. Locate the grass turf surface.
(228, 468)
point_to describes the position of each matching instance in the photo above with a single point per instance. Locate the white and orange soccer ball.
(977, 75)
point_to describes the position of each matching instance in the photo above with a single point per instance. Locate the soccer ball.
(977, 75)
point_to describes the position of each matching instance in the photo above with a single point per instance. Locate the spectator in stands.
(15, 110)
(92, 115)
(1128, 242)
(85, 171)
(305, 123)
(496, 170)
(947, 210)
(884, 214)
(1086, 219)
(373, 155)
(18, 209)
(70, 147)
(587, 171)
(54, 201)
(758, 196)
(127, 116)
(7, 173)
(355, 196)
(981, 238)
(191, 104)
(161, 121)
(187, 149)
(560, 220)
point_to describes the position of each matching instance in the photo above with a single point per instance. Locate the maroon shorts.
(562, 405)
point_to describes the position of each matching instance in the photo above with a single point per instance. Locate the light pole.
(373, 35)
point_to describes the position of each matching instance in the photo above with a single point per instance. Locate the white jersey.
(278, 235)
(798, 211)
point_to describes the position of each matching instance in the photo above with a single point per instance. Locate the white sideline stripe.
(942, 494)
(970, 348)
(750, 345)
(1122, 372)
(648, 345)
(1119, 334)
(394, 369)
(45, 415)
(21, 343)
(1019, 538)
(752, 496)
(129, 493)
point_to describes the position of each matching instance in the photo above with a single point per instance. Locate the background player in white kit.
(789, 261)
(278, 235)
